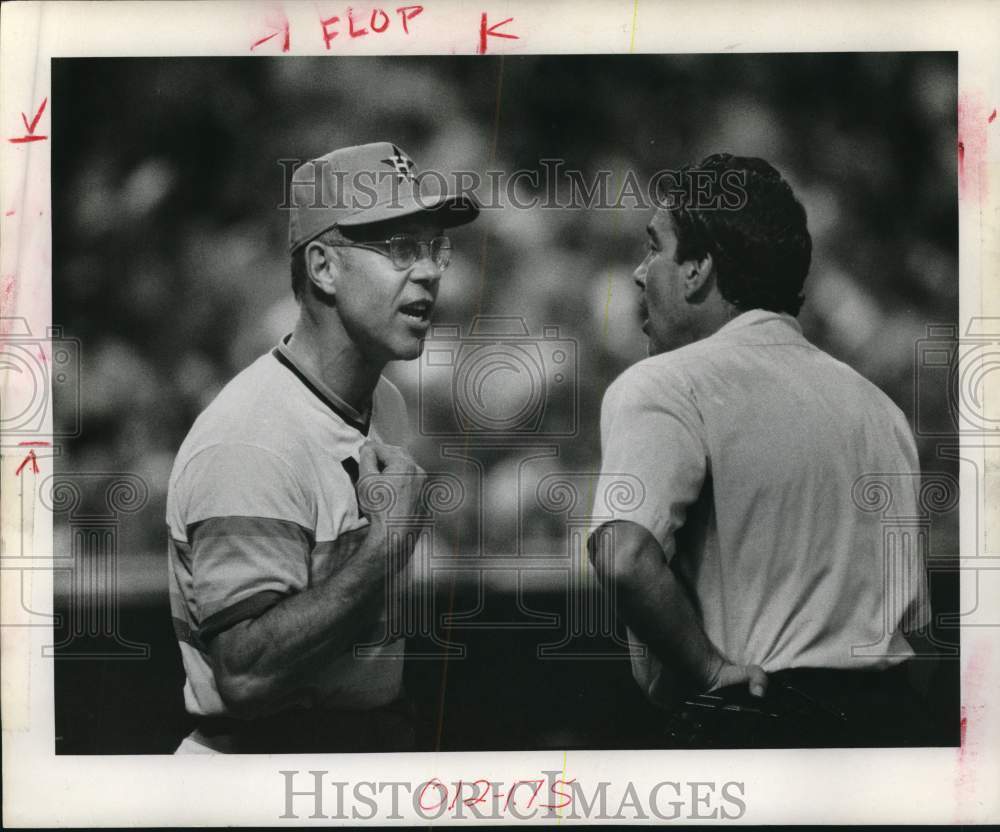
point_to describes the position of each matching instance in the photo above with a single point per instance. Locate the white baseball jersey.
(262, 505)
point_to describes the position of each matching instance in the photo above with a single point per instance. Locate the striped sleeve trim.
(345, 545)
(252, 607)
(252, 527)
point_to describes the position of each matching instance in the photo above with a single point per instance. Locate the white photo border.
(947, 785)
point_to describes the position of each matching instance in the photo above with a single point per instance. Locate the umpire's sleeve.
(652, 441)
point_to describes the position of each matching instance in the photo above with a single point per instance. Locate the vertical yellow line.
(607, 302)
(584, 561)
(565, 755)
(607, 309)
(479, 306)
(492, 160)
(604, 335)
(635, 14)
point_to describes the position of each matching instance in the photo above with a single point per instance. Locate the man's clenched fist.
(390, 482)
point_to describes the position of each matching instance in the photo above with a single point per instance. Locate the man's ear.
(321, 267)
(697, 277)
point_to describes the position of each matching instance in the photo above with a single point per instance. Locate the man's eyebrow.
(651, 231)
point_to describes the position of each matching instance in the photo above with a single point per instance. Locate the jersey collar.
(361, 422)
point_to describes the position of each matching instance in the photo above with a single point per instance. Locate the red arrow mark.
(31, 137)
(280, 27)
(29, 458)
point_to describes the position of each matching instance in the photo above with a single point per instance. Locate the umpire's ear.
(696, 275)
(321, 266)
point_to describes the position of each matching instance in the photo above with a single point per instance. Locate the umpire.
(278, 571)
(763, 605)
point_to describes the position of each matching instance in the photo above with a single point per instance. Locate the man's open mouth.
(419, 310)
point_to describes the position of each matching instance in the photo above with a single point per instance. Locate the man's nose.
(639, 275)
(425, 271)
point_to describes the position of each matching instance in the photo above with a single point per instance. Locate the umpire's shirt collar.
(765, 325)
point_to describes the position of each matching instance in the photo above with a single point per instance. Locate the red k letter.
(486, 30)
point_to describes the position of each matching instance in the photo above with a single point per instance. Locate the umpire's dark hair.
(754, 228)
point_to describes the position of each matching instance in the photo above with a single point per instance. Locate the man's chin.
(408, 351)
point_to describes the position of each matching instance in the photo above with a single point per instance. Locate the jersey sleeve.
(654, 458)
(248, 521)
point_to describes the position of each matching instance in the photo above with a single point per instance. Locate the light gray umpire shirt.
(750, 446)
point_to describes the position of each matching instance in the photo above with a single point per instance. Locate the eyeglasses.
(404, 250)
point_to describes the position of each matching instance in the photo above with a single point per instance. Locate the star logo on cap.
(401, 163)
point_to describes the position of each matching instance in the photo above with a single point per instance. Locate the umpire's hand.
(736, 674)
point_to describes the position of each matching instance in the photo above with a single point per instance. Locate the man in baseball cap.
(281, 568)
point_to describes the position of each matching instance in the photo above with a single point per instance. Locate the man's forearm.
(263, 662)
(655, 605)
(660, 613)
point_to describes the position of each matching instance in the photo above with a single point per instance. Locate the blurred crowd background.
(171, 267)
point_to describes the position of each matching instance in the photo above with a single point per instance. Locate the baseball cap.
(365, 184)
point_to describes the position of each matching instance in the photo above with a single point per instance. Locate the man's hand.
(390, 484)
(657, 608)
(263, 663)
(725, 673)
(669, 688)
(389, 480)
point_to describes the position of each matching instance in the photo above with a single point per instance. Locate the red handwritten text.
(29, 458)
(485, 31)
(378, 22)
(279, 23)
(30, 135)
(434, 794)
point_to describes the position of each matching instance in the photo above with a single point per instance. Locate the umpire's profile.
(277, 572)
(748, 573)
